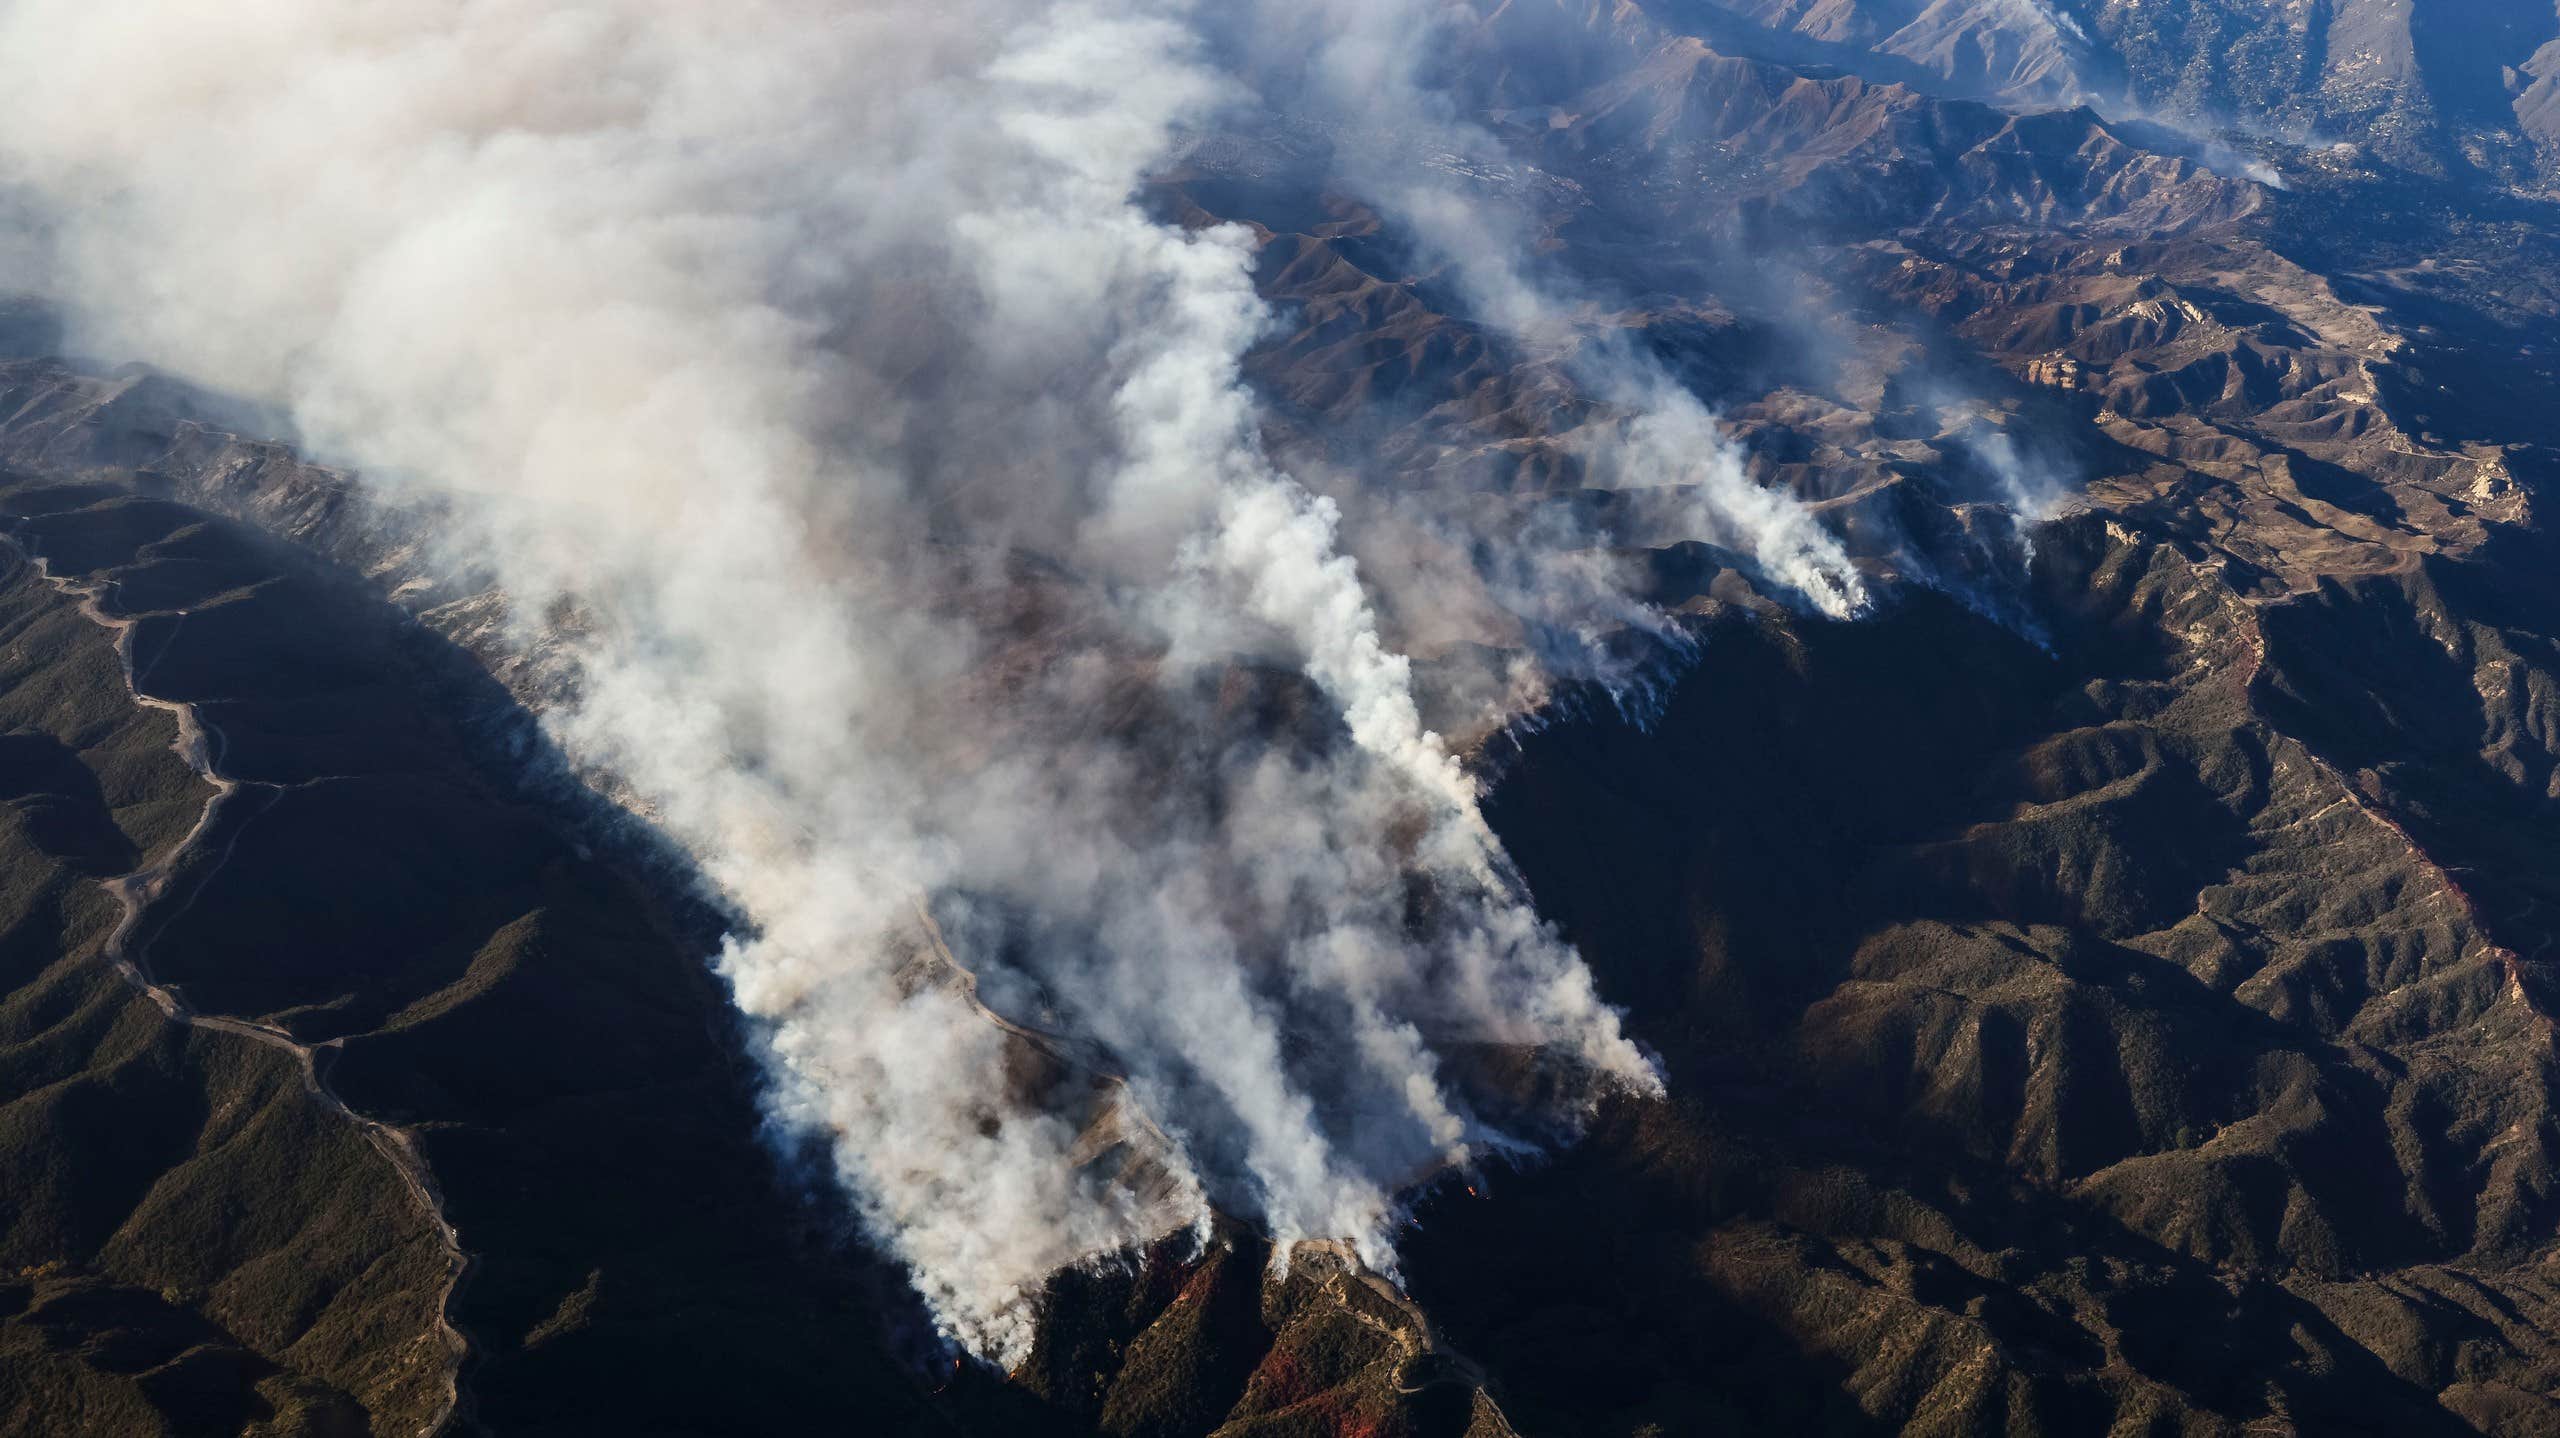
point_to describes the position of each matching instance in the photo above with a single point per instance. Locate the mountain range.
(2106, 988)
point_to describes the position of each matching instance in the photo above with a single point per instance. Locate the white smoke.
(900, 460)
(2051, 17)
(1410, 150)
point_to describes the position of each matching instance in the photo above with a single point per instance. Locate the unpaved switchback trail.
(145, 896)
(1428, 1361)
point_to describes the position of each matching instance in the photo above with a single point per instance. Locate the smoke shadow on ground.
(584, 1094)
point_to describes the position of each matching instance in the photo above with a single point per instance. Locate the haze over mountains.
(2440, 88)
(1317, 719)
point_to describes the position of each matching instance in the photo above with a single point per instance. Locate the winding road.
(140, 894)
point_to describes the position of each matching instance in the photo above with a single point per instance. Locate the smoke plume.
(937, 588)
(1369, 69)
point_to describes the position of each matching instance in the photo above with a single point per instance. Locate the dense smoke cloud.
(934, 577)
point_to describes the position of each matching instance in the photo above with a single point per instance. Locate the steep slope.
(2094, 1045)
